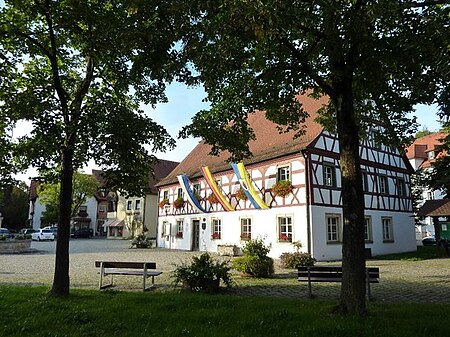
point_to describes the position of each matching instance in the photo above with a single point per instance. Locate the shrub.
(22, 237)
(297, 259)
(203, 274)
(255, 261)
(141, 241)
(254, 265)
(213, 199)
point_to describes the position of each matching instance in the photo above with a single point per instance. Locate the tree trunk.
(353, 289)
(61, 281)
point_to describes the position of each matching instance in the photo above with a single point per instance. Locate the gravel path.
(400, 281)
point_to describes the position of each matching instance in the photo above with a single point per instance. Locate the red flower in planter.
(282, 188)
(215, 236)
(163, 203)
(246, 236)
(284, 237)
(179, 235)
(240, 194)
(213, 199)
(178, 203)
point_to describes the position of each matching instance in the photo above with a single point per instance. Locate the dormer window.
(431, 155)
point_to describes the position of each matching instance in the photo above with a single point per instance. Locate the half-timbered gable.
(228, 203)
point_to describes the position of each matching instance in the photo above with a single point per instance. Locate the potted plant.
(141, 241)
(240, 194)
(178, 203)
(203, 274)
(198, 196)
(212, 199)
(163, 203)
(179, 235)
(215, 236)
(282, 188)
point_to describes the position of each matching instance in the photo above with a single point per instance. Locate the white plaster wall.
(38, 210)
(403, 231)
(264, 225)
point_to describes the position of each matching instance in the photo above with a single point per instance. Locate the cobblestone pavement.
(400, 281)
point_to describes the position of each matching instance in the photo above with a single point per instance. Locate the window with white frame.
(388, 231)
(166, 194)
(82, 209)
(285, 228)
(383, 183)
(129, 205)
(102, 208)
(333, 228)
(329, 175)
(216, 228)
(180, 193)
(180, 225)
(283, 173)
(401, 187)
(246, 228)
(368, 229)
(164, 228)
(137, 205)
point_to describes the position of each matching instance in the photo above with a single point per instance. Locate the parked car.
(43, 234)
(82, 233)
(6, 232)
(54, 229)
(25, 231)
(429, 241)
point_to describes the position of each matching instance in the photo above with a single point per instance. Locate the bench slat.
(122, 264)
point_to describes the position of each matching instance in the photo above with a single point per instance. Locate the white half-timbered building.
(311, 213)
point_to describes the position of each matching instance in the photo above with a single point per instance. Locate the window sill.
(388, 241)
(368, 241)
(334, 243)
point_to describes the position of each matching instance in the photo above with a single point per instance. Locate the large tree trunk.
(353, 260)
(61, 281)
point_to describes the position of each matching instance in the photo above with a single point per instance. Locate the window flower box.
(178, 203)
(240, 194)
(284, 238)
(246, 236)
(215, 236)
(163, 203)
(282, 188)
(179, 235)
(213, 199)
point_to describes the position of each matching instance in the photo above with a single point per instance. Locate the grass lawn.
(28, 311)
(422, 253)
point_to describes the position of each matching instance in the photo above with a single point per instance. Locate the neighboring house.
(130, 216)
(311, 213)
(86, 216)
(422, 153)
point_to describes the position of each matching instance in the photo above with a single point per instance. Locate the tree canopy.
(78, 70)
(84, 187)
(374, 60)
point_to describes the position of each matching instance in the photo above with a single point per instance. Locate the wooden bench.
(144, 269)
(333, 274)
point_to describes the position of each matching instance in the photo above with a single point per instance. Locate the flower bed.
(14, 246)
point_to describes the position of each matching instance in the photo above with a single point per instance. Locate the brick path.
(400, 281)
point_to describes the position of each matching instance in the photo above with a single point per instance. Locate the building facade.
(206, 203)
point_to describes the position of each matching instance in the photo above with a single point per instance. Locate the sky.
(183, 103)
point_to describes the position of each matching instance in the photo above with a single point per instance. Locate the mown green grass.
(422, 253)
(29, 311)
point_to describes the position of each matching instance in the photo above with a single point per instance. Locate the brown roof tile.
(269, 143)
(440, 207)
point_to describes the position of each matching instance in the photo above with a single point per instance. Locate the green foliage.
(256, 247)
(3, 237)
(297, 259)
(282, 188)
(22, 237)
(255, 261)
(15, 210)
(141, 241)
(423, 132)
(203, 274)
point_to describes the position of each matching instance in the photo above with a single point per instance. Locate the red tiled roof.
(424, 144)
(269, 143)
(440, 207)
